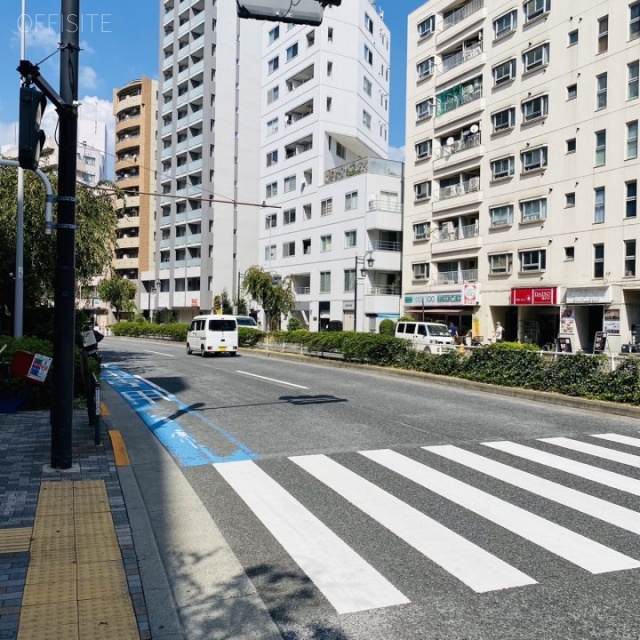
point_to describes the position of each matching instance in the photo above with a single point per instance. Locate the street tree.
(119, 293)
(95, 238)
(274, 294)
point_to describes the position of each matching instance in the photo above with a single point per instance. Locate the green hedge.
(176, 331)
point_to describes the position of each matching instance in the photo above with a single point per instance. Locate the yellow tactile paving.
(15, 540)
(119, 449)
(76, 586)
(104, 410)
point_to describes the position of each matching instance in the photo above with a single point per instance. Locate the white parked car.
(425, 336)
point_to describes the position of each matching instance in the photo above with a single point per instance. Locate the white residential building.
(92, 149)
(522, 168)
(208, 106)
(333, 201)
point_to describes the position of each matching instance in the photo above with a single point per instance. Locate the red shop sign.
(541, 295)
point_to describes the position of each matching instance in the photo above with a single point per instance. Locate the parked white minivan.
(425, 336)
(213, 334)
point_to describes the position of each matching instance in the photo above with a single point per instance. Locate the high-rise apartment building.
(208, 108)
(92, 149)
(135, 107)
(522, 168)
(333, 215)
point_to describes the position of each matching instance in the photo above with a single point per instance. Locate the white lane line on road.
(594, 450)
(614, 437)
(159, 353)
(596, 507)
(581, 551)
(255, 375)
(580, 469)
(349, 582)
(473, 566)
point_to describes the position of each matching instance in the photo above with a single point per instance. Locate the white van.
(246, 321)
(213, 334)
(425, 336)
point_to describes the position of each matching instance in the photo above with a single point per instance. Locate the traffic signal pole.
(65, 273)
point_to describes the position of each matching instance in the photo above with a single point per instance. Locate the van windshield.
(246, 322)
(439, 330)
(222, 325)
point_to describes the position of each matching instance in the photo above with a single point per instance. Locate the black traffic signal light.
(31, 138)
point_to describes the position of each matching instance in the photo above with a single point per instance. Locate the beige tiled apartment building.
(522, 169)
(135, 109)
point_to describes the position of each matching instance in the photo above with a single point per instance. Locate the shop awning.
(439, 310)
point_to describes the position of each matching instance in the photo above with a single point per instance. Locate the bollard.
(96, 397)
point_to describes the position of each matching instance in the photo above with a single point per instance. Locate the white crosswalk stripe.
(472, 565)
(352, 583)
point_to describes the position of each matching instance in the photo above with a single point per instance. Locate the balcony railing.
(462, 13)
(468, 142)
(385, 290)
(302, 291)
(460, 189)
(386, 245)
(364, 165)
(456, 59)
(377, 204)
(456, 233)
(457, 277)
(469, 94)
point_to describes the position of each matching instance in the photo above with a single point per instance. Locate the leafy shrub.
(293, 324)
(175, 331)
(576, 375)
(387, 327)
(249, 337)
(373, 348)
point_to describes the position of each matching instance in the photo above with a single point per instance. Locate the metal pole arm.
(31, 73)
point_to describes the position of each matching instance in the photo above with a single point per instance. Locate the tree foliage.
(95, 237)
(274, 294)
(119, 293)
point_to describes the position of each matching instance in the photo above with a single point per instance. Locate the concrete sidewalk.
(118, 548)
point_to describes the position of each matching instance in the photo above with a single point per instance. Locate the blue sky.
(120, 43)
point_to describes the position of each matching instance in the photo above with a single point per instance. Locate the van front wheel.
(189, 352)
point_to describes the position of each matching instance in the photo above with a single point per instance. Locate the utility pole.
(65, 274)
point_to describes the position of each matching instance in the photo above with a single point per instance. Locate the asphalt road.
(350, 529)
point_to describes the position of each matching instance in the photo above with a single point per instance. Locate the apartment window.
(368, 55)
(351, 201)
(420, 271)
(422, 190)
(601, 148)
(272, 157)
(271, 221)
(630, 258)
(535, 108)
(270, 252)
(326, 207)
(329, 103)
(633, 71)
(424, 149)
(533, 210)
(534, 159)
(274, 34)
(421, 231)
(426, 27)
(634, 20)
(425, 68)
(631, 199)
(572, 92)
(329, 68)
(505, 24)
(570, 200)
(341, 151)
(330, 34)
(632, 140)
(501, 216)
(535, 260)
(349, 239)
(598, 261)
(311, 38)
(569, 254)
(536, 57)
(367, 85)
(273, 64)
(288, 249)
(500, 263)
(273, 94)
(503, 120)
(271, 190)
(598, 204)
(603, 34)
(306, 211)
(366, 119)
(289, 184)
(536, 8)
(504, 72)
(325, 243)
(368, 23)
(272, 126)
(288, 216)
(325, 282)
(292, 51)
(424, 108)
(573, 38)
(571, 145)
(601, 91)
(502, 168)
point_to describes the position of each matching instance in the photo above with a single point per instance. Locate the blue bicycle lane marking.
(141, 395)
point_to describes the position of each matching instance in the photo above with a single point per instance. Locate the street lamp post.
(368, 258)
